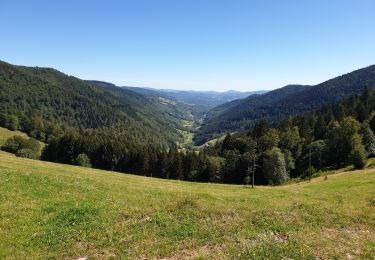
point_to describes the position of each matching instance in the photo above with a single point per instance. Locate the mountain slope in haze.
(202, 101)
(281, 103)
(51, 97)
(206, 100)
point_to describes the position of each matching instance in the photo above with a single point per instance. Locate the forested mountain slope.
(43, 101)
(281, 103)
(179, 108)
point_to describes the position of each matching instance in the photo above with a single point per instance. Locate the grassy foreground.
(59, 211)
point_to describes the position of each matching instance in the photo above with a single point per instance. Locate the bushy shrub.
(359, 158)
(22, 147)
(82, 160)
(13, 144)
(27, 153)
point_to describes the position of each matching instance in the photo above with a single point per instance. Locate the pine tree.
(274, 167)
(270, 139)
(227, 142)
(361, 112)
(368, 140)
(320, 128)
(247, 178)
(340, 141)
(145, 163)
(338, 112)
(358, 155)
(372, 122)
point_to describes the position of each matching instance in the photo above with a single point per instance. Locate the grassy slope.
(60, 211)
(5, 134)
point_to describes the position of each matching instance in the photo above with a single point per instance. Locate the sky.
(191, 44)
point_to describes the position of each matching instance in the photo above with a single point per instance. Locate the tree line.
(334, 136)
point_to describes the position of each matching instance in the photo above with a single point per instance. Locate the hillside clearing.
(63, 211)
(5, 134)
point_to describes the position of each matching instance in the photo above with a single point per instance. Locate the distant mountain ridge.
(203, 101)
(281, 103)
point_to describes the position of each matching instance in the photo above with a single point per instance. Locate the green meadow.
(50, 210)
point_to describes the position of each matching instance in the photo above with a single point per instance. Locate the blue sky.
(191, 44)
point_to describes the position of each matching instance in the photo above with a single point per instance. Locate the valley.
(173, 130)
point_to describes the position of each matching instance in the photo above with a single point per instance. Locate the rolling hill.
(42, 96)
(50, 210)
(281, 103)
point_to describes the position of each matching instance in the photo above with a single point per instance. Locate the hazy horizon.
(192, 45)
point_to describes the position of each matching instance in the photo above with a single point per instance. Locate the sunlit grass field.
(52, 210)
